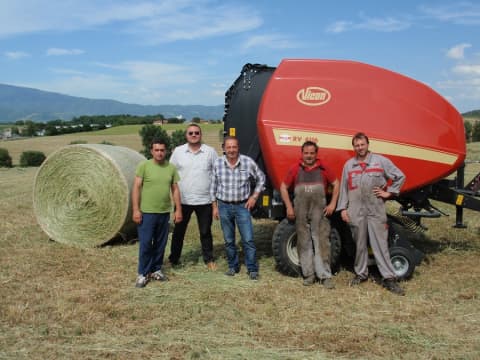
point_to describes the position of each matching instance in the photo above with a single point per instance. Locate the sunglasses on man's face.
(193, 133)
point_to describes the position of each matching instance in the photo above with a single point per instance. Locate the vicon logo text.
(313, 96)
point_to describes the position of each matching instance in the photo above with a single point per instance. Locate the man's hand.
(251, 201)
(329, 209)
(215, 214)
(345, 216)
(290, 213)
(380, 193)
(137, 217)
(177, 216)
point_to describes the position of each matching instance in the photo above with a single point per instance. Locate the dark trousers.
(204, 220)
(152, 236)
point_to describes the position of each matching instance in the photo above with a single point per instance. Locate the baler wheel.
(284, 246)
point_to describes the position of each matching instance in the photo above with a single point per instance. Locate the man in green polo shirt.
(154, 185)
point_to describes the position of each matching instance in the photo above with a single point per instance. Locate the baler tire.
(284, 246)
(402, 262)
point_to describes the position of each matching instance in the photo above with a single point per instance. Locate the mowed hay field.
(61, 302)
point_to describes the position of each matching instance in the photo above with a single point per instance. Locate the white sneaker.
(141, 281)
(159, 276)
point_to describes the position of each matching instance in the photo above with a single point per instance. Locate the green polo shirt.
(157, 182)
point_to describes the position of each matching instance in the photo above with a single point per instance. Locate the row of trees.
(90, 123)
(472, 131)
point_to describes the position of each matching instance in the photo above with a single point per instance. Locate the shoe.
(328, 283)
(175, 264)
(357, 280)
(253, 275)
(308, 281)
(211, 266)
(231, 272)
(141, 281)
(392, 286)
(159, 276)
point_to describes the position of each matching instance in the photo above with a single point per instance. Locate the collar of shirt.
(317, 164)
(188, 150)
(367, 160)
(225, 160)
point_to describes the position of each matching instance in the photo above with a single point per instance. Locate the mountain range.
(21, 103)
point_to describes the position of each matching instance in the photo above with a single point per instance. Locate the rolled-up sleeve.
(259, 177)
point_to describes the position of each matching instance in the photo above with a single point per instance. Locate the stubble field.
(63, 302)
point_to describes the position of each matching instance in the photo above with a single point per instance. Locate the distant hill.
(20, 103)
(474, 114)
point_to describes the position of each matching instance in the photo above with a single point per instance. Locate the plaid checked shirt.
(234, 184)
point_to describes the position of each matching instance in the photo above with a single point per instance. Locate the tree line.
(472, 130)
(87, 123)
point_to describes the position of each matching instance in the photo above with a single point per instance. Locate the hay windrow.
(82, 192)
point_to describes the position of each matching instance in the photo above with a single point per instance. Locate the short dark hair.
(157, 141)
(360, 135)
(310, 143)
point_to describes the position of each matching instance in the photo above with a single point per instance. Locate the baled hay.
(82, 193)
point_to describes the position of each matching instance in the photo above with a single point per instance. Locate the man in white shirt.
(194, 162)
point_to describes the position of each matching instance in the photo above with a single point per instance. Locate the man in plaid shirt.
(231, 187)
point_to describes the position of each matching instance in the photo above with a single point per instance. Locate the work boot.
(231, 272)
(211, 266)
(328, 283)
(357, 280)
(176, 264)
(253, 275)
(310, 280)
(392, 286)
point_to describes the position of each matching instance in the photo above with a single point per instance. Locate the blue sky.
(190, 51)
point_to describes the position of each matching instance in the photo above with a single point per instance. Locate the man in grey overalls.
(363, 192)
(309, 179)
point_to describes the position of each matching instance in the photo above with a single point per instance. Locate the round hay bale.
(82, 194)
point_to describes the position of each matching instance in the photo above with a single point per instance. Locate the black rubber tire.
(402, 261)
(284, 246)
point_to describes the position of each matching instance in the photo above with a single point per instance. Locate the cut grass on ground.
(64, 302)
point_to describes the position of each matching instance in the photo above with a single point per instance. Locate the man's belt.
(233, 202)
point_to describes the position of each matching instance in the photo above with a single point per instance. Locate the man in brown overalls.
(363, 192)
(309, 179)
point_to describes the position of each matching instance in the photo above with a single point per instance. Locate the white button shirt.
(195, 169)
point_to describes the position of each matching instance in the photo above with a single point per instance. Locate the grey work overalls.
(368, 219)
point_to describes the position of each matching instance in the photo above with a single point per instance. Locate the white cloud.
(467, 69)
(61, 52)
(339, 27)
(386, 24)
(457, 52)
(153, 74)
(15, 55)
(464, 86)
(140, 82)
(271, 41)
(154, 21)
(96, 86)
(197, 21)
(462, 13)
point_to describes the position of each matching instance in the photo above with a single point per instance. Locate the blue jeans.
(231, 214)
(152, 236)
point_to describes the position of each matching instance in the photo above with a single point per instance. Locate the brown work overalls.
(313, 228)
